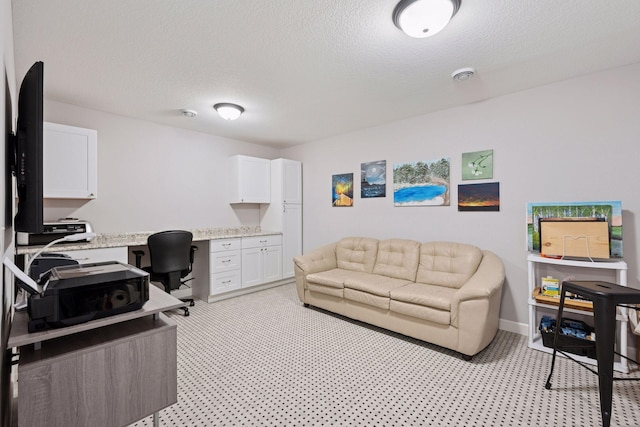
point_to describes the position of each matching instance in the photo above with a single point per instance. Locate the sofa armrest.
(485, 284)
(320, 259)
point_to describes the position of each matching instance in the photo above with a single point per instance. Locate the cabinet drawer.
(220, 245)
(224, 282)
(224, 261)
(261, 241)
(86, 256)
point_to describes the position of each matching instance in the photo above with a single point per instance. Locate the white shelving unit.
(619, 268)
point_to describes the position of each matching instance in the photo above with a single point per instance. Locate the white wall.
(576, 140)
(153, 177)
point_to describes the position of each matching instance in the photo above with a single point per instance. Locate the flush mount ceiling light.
(228, 111)
(189, 113)
(424, 18)
(463, 73)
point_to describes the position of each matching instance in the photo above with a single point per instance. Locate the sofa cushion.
(366, 298)
(434, 296)
(374, 284)
(397, 258)
(431, 314)
(447, 264)
(326, 290)
(335, 277)
(357, 254)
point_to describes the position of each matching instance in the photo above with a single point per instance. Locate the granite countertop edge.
(139, 238)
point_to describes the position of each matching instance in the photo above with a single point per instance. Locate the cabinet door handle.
(263, 241)
(226, 260)
(224, 282)
(226, 245)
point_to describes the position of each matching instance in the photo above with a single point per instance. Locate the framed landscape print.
(424, 183)
(609, 211)
(373, 179)
(479, 197)
(342, 190)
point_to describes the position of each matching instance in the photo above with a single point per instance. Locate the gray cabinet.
(107, 372)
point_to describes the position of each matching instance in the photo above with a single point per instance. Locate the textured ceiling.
(307, 69)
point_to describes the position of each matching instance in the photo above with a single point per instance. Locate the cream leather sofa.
(441, 292)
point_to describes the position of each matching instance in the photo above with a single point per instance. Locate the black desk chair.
(172, 256)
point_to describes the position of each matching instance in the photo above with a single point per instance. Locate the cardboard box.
(579, 238)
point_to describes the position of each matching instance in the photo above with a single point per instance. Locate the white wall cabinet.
(289, 178)
(224, 265)
(284, 214)
(261, 260)
(250, 180)
(540, 266)
(70, 164)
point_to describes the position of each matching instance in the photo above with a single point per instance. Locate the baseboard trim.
(244, 291)
(515, 327)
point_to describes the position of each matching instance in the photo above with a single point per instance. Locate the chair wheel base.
(186, 311)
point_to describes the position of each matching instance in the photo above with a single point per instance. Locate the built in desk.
(107, 372)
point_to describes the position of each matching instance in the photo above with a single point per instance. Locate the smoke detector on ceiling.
(463, 73)
(189, 113)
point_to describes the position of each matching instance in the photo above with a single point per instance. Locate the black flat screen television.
(29, 152)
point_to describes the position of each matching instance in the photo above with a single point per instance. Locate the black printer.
(73, 294)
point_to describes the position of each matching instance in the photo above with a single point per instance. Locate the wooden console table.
(107, 372)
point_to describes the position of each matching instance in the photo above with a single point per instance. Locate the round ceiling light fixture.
(228, 111)
(463, 73)
(424, 18)
(189, 113)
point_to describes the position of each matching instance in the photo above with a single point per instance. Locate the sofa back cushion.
(357, 254)
(447, 264)
(398, 258)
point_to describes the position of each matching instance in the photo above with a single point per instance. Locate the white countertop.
(111, 240)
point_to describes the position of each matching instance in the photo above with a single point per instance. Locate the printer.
(54, 231)
(73, 294)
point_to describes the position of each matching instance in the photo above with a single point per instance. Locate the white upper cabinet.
(291, 181)
(70, 163)
(251, 180)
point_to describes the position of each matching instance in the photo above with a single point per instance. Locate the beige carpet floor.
(265, 360)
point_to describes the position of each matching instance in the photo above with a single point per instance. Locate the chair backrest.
(170, 251)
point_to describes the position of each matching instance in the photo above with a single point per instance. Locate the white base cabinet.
(615, 271)
(261, 260)
(87, 256)
(224, 265)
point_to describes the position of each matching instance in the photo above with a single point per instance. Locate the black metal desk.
(606, 297)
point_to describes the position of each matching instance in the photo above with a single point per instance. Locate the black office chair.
(172, 256)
